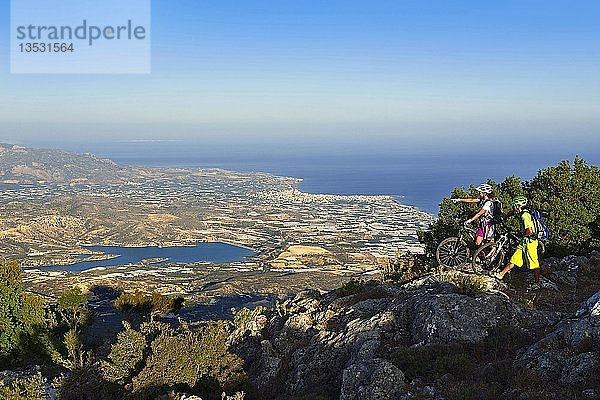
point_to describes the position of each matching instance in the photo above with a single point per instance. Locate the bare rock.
(376, 379)
(453, 318)
(570, 354)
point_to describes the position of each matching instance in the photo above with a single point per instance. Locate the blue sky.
(437, 73)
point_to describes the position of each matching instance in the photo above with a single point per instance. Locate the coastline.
(133, 206)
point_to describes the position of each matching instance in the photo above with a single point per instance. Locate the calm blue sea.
(416, 179)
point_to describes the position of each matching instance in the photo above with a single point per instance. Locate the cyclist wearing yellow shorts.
(526, 253)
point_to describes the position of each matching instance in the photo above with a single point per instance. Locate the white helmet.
(484, 188)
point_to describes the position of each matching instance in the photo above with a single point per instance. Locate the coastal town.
(52, 211)
(47, 223)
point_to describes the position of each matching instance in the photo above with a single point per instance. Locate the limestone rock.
(570, 354)
(376, 379)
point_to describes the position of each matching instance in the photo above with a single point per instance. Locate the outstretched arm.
(465, 200)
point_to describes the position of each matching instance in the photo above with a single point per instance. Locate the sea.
(415, 178)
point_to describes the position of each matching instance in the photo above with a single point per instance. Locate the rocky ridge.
(351, 346)
(440, 336)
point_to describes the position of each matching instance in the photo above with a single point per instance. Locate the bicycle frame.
(466, 232)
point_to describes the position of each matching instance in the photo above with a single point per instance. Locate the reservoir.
(206, 251)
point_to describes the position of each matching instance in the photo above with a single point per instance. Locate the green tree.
(569, 198)
(75, 314)
(23, 317)
(74, 309)
(566, 195)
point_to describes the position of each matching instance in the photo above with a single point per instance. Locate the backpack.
(540, 231)
(497, 215)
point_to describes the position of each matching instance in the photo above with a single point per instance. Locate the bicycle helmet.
(484, 188)
(519, 201)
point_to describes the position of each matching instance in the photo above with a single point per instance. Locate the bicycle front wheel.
(452, 252)
(488, 257)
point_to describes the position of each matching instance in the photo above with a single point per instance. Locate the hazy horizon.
(435, 75)
(419, 177)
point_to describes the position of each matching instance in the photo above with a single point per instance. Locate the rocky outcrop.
(570, 270)
(330, 346)
(441, 336)
(570, 354)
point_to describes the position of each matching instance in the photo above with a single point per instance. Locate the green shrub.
(154, 303)
(158, 358)
(351, 287)
(74, 309)
(23, 317)
(77, 357)
(432, 362)
(25, 389)
(403, 267)
(467, 284)
(566, 196)
(187, 356)
(483, 370)
(244, 315)
(467, 390)
(126, 356)
(89, 384)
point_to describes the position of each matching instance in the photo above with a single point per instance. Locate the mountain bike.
(454, 251)
(491, 256)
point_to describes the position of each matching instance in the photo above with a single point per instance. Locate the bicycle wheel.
(452, 252)
(488, 257)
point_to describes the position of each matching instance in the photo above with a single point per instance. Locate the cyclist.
(485, 214)
(526, 253)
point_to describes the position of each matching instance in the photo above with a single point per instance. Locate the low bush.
(154, 303)
(244, 315)
(25, 389)
(89, 384)
(403, 267)
(466, 284)
(471, 371)
(432, 362)
(353, 286)
(158, 358)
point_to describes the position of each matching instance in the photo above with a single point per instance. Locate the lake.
(206, 251)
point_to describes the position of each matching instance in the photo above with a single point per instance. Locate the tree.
(74, 309)
(567, 196)
(23, 318)
(74, 313)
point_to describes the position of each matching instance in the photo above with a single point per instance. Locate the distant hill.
(25, 165)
